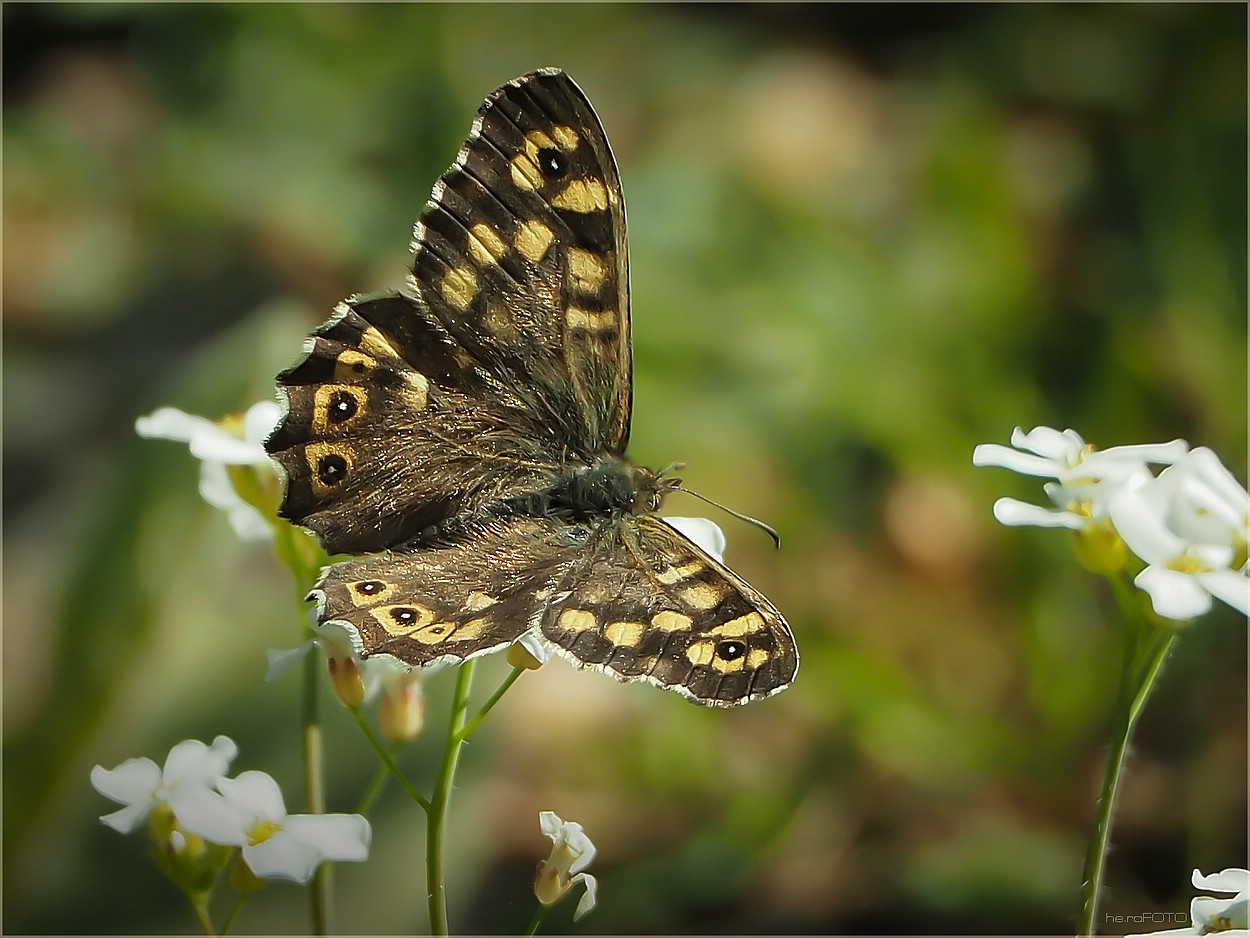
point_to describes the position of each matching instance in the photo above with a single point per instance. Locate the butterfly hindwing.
(646, 603)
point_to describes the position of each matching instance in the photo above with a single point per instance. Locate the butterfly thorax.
(610, 486)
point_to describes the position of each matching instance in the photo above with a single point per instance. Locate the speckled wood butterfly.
(470, 430)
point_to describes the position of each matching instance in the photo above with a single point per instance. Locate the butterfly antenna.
(767, 529)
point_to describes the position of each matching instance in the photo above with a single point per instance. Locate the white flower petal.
(1174, 595)
(170, 423)
(135, 780)
(282, 857)
(706, 534)
(260, 421)
(1050, 443)
(256, 792)
(207, 814)
(1229, 586)
(1013, 512)
(1234, 880)
(192, 762)
(128, 818)
(335, 836)
(589, 898)
(282, 660)
(1003, 457)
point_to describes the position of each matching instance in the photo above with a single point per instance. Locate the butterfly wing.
(646, 603)
(454, 602)
(504, 359)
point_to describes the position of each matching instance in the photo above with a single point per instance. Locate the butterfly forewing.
(472, 426)
(521, 257)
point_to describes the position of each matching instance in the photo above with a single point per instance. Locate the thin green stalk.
(201, 915)
(508, 681)
(234, 911)
(537, 922)
(373, 790)
(314, 790)
(387, 760)
(437, 814)
(1144, 657)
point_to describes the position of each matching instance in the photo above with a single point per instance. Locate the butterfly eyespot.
(730, 650)
(343, 406)
(332, 469)
(553, 163)
(404, 616)
(370, 587)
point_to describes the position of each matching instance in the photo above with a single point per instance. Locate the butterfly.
(469, 429)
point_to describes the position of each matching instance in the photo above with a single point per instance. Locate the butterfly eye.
(730, 650)
(332, 469)
(553, 163)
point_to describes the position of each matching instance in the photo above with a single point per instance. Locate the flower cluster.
(1188, 526)
(191, 798)
(1212, 915)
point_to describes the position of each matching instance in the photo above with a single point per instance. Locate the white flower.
(1211, 916)
(1190, 527)
(191, 770)
(571, 853)
(250, 813)
(1086, 478)
(217, 447)
(529, 651)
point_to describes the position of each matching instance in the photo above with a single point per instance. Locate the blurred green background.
(864, 239)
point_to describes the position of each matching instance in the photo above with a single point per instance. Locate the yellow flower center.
(262, 831)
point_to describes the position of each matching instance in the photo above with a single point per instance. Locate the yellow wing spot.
(478, 601)
(435, 633)
(700, 653)
(376, 344)
(337, 406)
(537, 140)
(729, 667)
(525, 172)
(625, 634)
(566, 137)
(669, 621)
(532, 239)
(370, 592)
(576, 620)
(736, 628)
(577, 318)
(353, 365)
(402, 619)
(701, 596)
(582, 196)
(587, 271)
(485, 244)
(473, 629)
(675, 574)
(756, 657)
(459, 287)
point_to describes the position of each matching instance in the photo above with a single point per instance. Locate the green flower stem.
(314, 789)
(200, 905)
(1144, 656)
(387, 760)
(538, 921)
(234, 911)
(471, 727)
(437, 813)
(375, 787)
